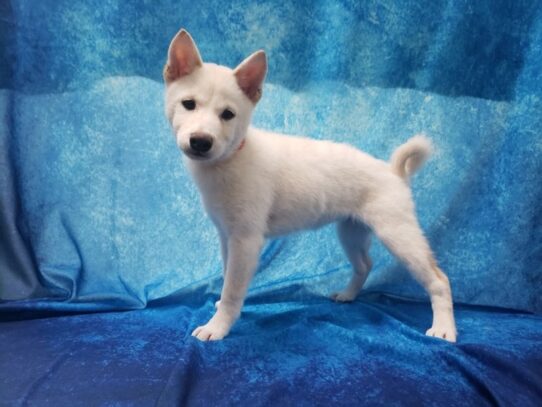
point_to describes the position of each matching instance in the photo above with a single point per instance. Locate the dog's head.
(210, 106)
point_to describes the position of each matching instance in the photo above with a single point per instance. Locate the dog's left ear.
(250, 75)
(183, 57)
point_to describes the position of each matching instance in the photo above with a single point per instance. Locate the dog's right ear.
(183, 57)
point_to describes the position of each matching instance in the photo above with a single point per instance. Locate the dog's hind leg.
(355, 239)
(397, 227)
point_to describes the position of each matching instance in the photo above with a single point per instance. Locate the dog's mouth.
(196, 155)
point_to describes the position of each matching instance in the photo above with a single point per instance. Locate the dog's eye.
(227, 114)
(189, 104)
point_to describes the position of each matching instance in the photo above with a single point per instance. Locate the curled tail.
(410, 156)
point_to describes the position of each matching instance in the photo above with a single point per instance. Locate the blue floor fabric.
(107, 260)
(289, 347)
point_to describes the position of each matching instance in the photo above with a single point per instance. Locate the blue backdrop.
(98, 213)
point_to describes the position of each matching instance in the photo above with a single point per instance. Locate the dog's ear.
(250, 75)
(183, 57)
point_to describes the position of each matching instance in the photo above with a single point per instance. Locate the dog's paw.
(217, 304)
(446, 332)
(211, 331)
(343, 296)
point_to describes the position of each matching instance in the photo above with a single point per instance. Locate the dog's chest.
(233, 199)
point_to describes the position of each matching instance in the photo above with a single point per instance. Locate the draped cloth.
(98, 215)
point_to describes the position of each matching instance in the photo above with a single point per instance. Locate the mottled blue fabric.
(290, 348)
(97, 212)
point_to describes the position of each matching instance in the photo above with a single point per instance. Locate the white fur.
(407, 158)
(276, 184)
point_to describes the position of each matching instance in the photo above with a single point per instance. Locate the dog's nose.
(201, 142)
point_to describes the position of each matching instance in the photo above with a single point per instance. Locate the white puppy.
(256, 184)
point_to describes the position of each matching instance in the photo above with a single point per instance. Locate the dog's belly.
(311, 204)
(284, 222)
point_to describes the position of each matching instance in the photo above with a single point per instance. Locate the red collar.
(241, 145)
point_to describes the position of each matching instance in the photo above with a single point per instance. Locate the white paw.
(214, 330)
(446, 332)
(217, 304)
(343, 296)
(210, 332)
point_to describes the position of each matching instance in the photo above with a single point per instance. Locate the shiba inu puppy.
(256, 184)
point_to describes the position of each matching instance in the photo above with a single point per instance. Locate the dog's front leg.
(243, 254)
(224, 253)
